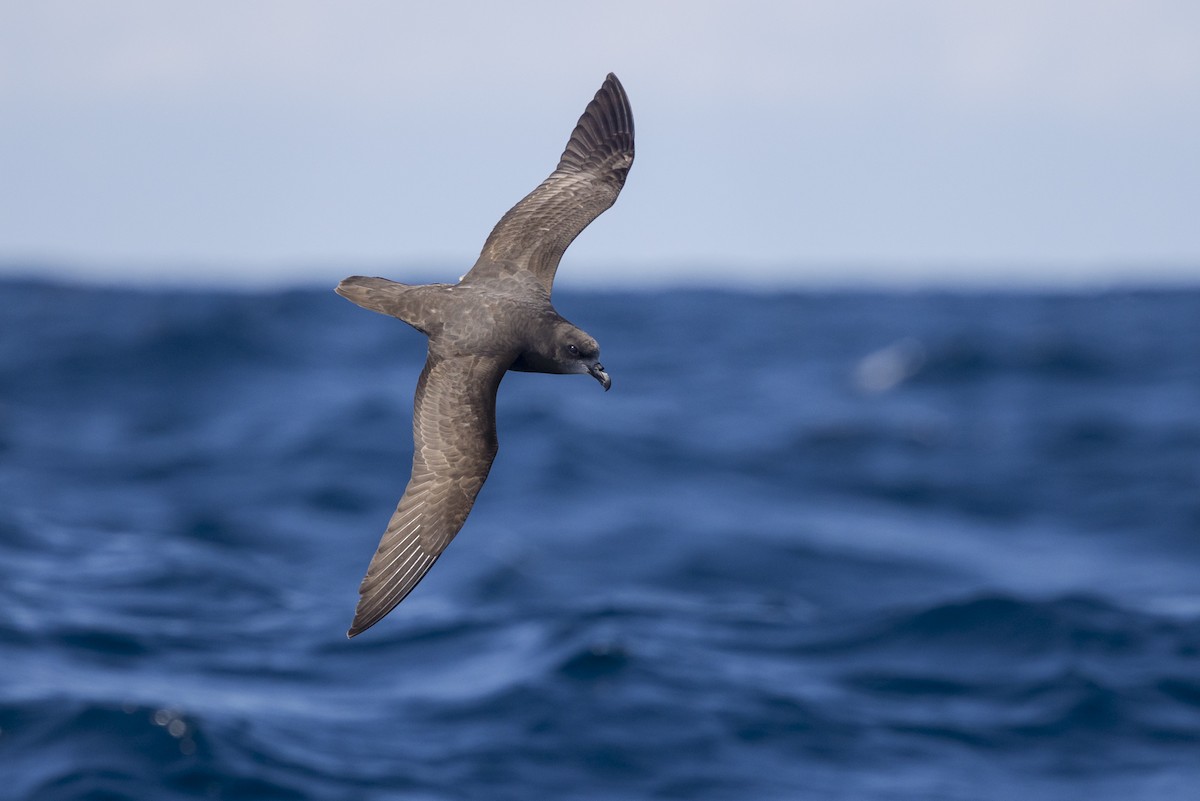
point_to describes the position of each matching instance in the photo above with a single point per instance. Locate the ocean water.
(811, 546)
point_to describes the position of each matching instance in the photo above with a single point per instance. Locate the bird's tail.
(377, 294)
(388, 297)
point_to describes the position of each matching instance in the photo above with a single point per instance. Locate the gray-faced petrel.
(498, 317)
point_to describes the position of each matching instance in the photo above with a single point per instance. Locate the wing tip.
(362, 622)
(604, 129)
(357, 627)
(611, 80)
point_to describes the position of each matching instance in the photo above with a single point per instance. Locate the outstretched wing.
(454, 442)
(535, 233)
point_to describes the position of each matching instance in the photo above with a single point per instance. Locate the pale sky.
(794, 142)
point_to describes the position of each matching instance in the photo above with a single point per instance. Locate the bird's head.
(577, 352)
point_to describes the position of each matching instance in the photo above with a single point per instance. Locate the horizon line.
(799, 274)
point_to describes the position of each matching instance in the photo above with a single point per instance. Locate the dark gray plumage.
(497, 318)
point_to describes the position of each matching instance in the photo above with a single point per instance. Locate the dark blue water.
(826, 546)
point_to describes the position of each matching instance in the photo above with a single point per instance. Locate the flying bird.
(497, 318)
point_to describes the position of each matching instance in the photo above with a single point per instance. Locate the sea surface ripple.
(828, 545)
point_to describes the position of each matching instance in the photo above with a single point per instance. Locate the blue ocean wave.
(827, 545)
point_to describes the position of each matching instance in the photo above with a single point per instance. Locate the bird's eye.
(574, 350)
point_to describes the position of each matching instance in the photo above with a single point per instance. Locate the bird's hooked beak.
(597, 372)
